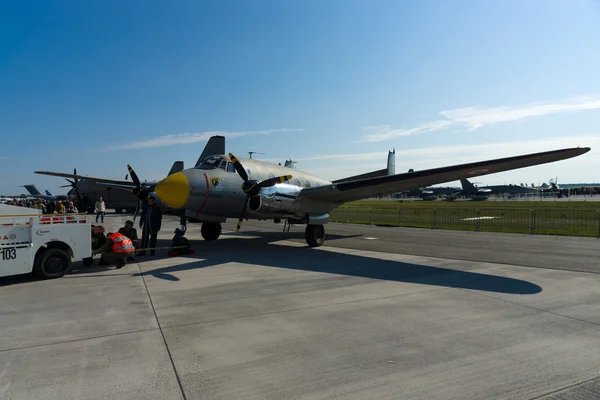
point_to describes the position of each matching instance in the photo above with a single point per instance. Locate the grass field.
(572, 218)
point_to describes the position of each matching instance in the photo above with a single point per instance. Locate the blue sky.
(332, 84)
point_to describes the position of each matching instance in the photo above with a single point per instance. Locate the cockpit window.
(213, 162)
(230, 167)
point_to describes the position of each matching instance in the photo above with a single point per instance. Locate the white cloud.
(473, 118)
(186, 138)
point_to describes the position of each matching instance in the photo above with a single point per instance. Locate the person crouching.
(115, 250)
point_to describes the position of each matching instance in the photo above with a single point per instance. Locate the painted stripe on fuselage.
(205, 196)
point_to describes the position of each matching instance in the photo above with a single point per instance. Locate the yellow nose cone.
(174, 190)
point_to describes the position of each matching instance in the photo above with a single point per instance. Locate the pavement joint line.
(566, 387)
(530, 307)
(179, 383)
(78, 340)
(304, 308)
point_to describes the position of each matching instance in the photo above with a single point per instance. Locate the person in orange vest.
(115, 250)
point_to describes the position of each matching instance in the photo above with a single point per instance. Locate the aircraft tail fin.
(390, 170)
(215, 145)
(467, 186)
(32, 190)
(48, 193)
(177, 167)
(391, 162)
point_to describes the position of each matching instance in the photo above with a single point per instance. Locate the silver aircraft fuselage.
(214, 188)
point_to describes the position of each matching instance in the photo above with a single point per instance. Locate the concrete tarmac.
(376, 313)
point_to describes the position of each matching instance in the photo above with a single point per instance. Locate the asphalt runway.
(376, 313)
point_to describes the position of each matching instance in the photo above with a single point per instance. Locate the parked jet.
(34, 192)
(484, 192)
(222, 187)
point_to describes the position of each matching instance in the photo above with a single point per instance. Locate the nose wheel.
(315, 235)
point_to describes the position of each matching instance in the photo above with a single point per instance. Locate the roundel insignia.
(248, 171)
(479, 171)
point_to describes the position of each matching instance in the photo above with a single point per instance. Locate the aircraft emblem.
(216, 183)
(479, 171)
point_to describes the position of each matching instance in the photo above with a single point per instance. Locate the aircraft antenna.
(253, 152)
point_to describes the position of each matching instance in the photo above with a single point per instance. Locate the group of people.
(121, 246)
(47, 206)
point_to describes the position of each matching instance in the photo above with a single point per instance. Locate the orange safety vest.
(121, 243)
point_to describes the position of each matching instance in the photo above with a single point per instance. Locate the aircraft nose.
(174, 190)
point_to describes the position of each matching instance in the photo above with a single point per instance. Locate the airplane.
(222, 187)
(87, 190)
(34, 192)
(484, 192)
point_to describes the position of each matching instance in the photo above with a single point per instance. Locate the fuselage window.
(307, 184)
(297, 182)
(230, 167)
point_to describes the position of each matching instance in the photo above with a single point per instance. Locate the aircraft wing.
(343, 192)
(87, 178)
(129, 187)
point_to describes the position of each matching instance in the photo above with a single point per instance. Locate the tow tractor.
(43, 244)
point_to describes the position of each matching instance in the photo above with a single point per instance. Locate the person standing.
(100, 209)
(151, 223)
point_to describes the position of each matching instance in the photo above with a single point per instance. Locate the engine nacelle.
(278, 199)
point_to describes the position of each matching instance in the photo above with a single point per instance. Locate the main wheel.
(52, 263)
(211, 230)
(315, 235)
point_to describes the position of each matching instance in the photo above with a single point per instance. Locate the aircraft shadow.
(258, 251)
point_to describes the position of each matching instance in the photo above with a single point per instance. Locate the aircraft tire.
(211, 230)
(315, 235)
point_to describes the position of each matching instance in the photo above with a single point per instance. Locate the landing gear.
(211, 230)
(315, 235)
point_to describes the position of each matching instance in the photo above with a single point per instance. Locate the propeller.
(141, 192)
(252, 187)
(73, 184)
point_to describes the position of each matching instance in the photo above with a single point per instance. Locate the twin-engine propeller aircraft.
(222, 187)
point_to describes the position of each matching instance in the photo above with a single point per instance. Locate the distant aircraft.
(484, 192)
(427, 193)
(222, 187)
(34, 192)
(87, 190)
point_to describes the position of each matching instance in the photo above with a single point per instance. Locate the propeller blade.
(136, 210)
(71, 185)
(274, 181)
(134, 176)
(239, 224)
(70, 181)
(239, 167)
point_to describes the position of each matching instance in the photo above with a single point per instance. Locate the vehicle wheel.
(315, 235)
(211, 230)
(52, 263)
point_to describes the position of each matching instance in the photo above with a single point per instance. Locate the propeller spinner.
(252, 187)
